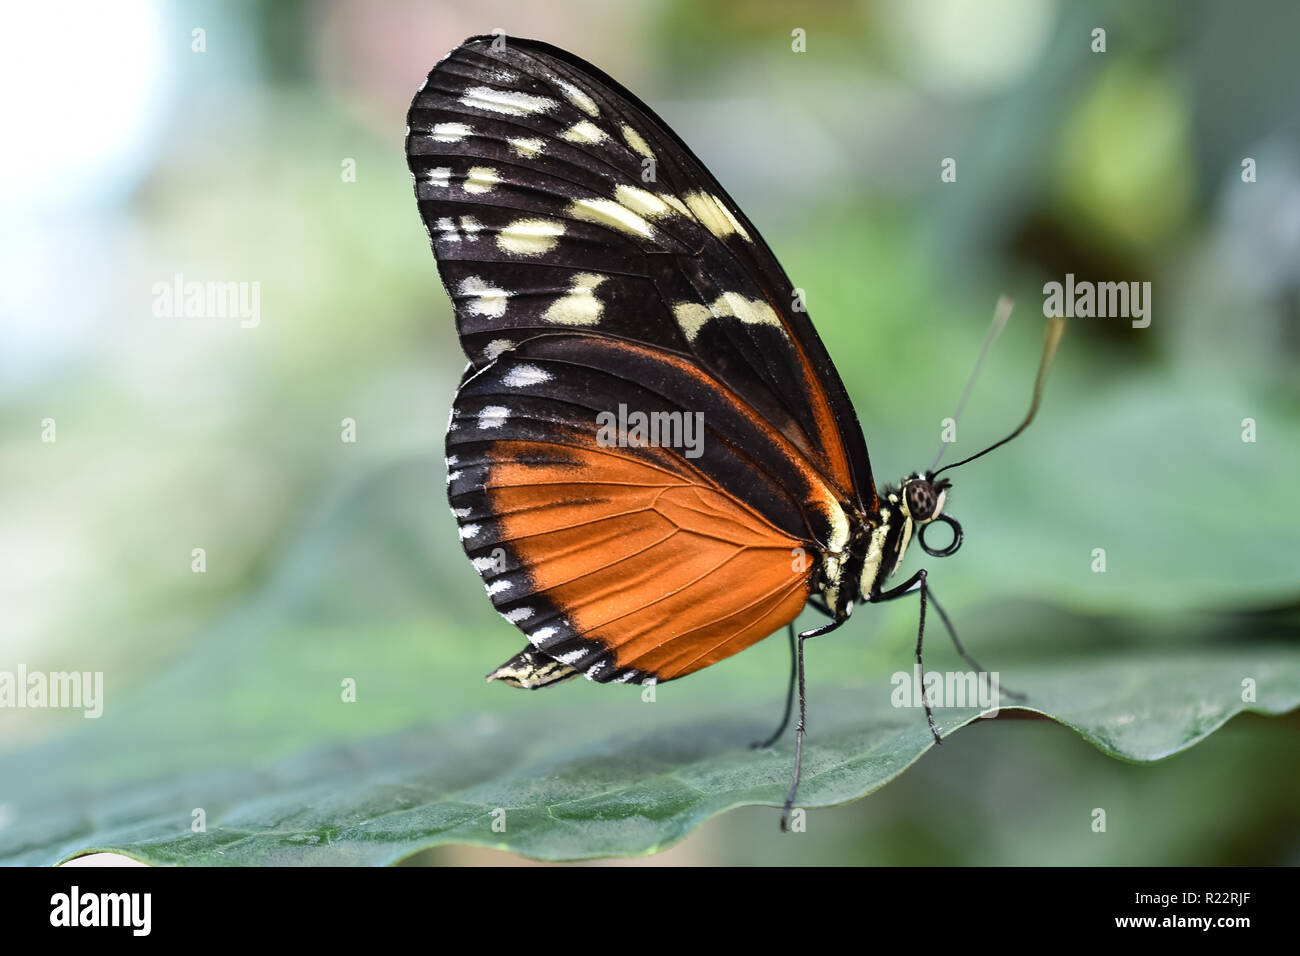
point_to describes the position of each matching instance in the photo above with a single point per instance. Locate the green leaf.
(251, 727)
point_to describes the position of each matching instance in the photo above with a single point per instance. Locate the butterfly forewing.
(555, 199)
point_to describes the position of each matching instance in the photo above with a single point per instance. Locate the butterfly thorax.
(878, 543)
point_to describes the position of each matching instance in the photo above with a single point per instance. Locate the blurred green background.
(133, 158)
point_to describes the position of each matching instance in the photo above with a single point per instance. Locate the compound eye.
(921, 500)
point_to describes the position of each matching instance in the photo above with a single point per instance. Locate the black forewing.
(530, 172)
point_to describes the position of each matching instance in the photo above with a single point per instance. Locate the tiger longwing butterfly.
(595, 267)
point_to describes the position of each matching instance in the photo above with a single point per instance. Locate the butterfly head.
(922, 500)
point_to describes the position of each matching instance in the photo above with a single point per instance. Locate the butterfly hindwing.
(628, 561)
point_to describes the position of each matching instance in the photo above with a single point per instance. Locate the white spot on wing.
(609, 212)
(714, 215)
(509, 102)
(481, 179)
(468, 531)
(496, 587)
(439, 176)
(515, 615)
(526, 146)
(691, 316)
(524, 375)
(530, 237)
(540, 635)
(634, 140)
(450, 132)
(585, 132)
(496, 347)
(642, 201)
(493, 416)
(579, 98)
(482, 298)
(579, 306)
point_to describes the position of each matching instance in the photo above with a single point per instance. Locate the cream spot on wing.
(493, 416)
(676, 203)
(579, 99)
(714, 215)
(634, 140)
(579, 306)
(608, 212)
(642, 201)
(450, 132)
(530, 237)
(750, 311)
(527, 146)
(583, 132)
(523, 375)
(509, 102)
(439, 176)
(483, 298)
(496, 347)
(470, 227)
(691, 316)
(481, 179)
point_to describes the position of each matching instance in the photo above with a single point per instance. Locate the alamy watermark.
(183, 298)
(947, 689)
(1101, 300)
(82, 690)
(635, 429)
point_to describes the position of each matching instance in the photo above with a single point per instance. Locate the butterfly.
(652, 460)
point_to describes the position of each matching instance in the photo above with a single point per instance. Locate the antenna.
(1055, 329)
(1001, 313)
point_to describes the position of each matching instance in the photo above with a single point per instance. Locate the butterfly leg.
(803, 715)
(789, 696)
(943, 616)
(915, 582)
